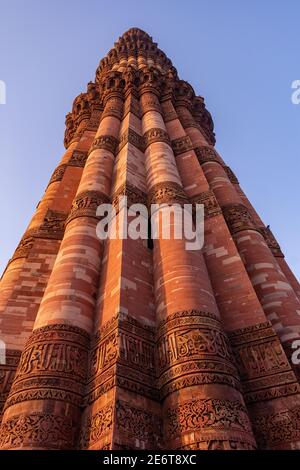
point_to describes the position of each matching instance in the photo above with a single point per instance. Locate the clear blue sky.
(242, 56)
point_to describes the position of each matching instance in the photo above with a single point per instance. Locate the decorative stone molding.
(181, 145)
(210, 416)
(263, 366)
(274, 429)
(38, 430)
(139, 425)
(97, 426)
(231, 175)
(271, 241)
(207, 154)
(131, 137)
(193, 350)
(211, 205)
(85, 204)
(58, 174)
(52, 227)
(7, 374)
(238, 218)
(167, 192)
(156, 135)
(78, 158)
(133, 194)
(106, 142)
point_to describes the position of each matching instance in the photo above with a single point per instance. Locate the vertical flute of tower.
(269, 237)
(186, 308)
(276, 295)
(55, 358)
(26, 276)
(241, 313)
(121, 391)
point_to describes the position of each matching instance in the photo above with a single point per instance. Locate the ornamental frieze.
(273, 429)
(231, 175)
(238, 218)
(58, 174)
(38, 430)
(271, 241)
(263, 366)
(156, 134)
(133, 194)
(211, 205)
(106, 142)
(97, 426)
(207, 154)
(167, 192)
(78, 158)
(86, 203)
(181, 145)
(207, 414)
(131, 137)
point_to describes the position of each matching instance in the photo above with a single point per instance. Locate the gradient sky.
(242, 56)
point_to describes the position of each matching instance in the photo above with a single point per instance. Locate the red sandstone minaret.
(114, 345)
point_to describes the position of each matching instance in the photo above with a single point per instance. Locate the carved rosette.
(106, 142)
(167, 192)
(211, 205)
(86, 203)
(181, 145)
(238, 218)
(271, 241)
(156, 135)
(193, 350)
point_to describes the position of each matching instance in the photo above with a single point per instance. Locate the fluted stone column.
(44, 405)
(255, 342)
(26, 276)
(196, 374)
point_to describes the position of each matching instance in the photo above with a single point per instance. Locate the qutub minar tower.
(119, 344)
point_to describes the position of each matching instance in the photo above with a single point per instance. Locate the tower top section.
(134, 65)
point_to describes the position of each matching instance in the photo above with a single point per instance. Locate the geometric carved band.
(106, 142)
(156, 135)
(231, 175)
(86, 203)
(181, 145)
(131, 137)
(211, 205)
(263, 366)
(238, 218)
(192, 349)
(134, 195)
(38, 429)
(58, 174)
(271, 241)
(53, 366)
(52, 227)
(7, 373)
(78, 158)
(167, 192)
(207, 154)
